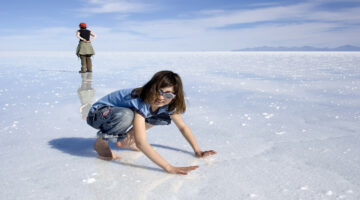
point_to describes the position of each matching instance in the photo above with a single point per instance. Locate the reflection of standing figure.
(86, 94)
(84, 49)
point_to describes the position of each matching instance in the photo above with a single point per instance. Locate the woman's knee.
(123, 115)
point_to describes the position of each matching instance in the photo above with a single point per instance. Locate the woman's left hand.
(202, 154)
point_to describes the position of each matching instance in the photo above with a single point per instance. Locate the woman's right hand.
(181, 170)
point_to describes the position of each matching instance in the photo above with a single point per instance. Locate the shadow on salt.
(84, 147)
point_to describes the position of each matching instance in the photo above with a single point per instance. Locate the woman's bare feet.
(104, 151)
(123, 144)
(114, 157)
(128, 142)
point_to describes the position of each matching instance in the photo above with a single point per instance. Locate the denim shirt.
(122, 98)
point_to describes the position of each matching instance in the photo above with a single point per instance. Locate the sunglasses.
(167, 95)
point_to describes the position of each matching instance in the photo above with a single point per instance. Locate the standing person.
(84, 49)
(124, 116)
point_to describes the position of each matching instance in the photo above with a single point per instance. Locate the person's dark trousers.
(86, 64)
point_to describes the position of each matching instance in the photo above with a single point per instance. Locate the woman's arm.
(185, 131)
(189, 136)
(145, 147)
(78, 36)
(93, 36)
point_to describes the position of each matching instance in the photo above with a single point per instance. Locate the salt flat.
(285, 126)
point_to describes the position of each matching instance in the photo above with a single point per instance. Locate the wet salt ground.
(285, 126)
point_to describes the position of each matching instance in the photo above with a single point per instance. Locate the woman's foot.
(127, 146)
(114, 157)
(104, 151)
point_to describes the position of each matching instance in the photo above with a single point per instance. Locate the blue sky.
(178, 25)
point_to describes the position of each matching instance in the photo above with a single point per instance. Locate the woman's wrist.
(198, 153)
(168, 168)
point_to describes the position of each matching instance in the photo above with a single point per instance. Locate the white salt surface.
(285, 126)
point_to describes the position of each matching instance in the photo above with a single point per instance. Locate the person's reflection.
(86, 94)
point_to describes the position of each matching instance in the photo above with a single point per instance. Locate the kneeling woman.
(124, 115)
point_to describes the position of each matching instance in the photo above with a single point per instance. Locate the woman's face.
(164, 96)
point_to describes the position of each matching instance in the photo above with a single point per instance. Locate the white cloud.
(300, 24)
(211, 12)
(350, 15)
(112, 6)
(309, 27)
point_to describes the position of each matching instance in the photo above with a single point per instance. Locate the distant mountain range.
(304, 48)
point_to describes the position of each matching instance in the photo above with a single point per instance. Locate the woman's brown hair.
(150, 91)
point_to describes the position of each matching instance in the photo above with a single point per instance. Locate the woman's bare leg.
(129, 141)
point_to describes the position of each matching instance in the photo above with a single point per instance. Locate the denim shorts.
(114, 122)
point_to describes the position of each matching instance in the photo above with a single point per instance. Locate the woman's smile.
(158, 101)
(161, 101)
